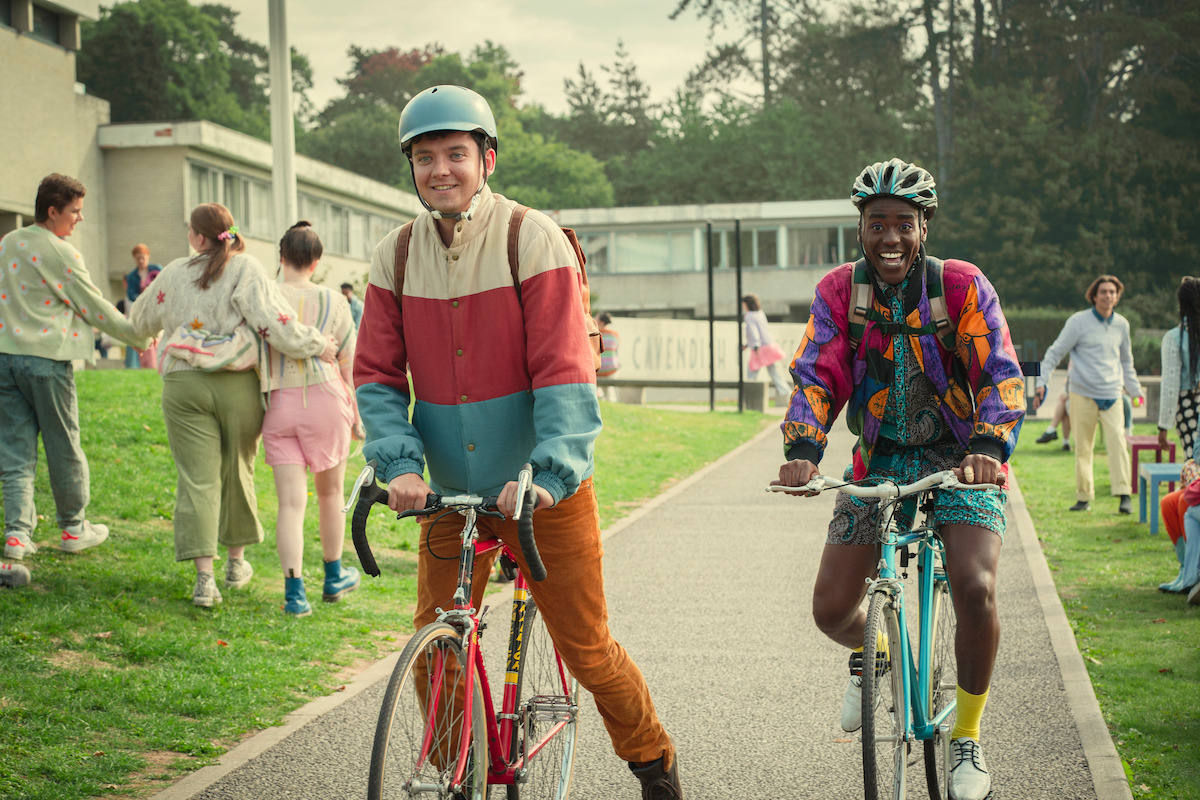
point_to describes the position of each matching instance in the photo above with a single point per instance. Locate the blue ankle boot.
(295, 601)
(338, 581)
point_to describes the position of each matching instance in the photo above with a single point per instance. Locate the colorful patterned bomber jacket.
(497, 379)
(980, 385)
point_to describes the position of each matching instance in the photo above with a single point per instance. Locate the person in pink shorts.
(310, 418)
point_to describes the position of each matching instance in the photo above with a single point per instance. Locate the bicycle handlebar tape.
(369, 496)
(537, 570)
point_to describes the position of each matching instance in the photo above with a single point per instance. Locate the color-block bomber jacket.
(980, 386)
(498, 380)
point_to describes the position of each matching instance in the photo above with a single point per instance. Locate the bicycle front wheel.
(548, 707)
(424, 732)
(940, 685)
(884, 723)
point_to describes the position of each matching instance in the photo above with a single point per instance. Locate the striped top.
(495, 380)
(328, 312)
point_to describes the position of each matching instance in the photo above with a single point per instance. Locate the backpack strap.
(401, 262)
(514, 237)
(936, 292)
(860, 302)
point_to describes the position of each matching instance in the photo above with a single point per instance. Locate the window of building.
(45, 24)
(6, 12)
(812, 246)
(248, 200)
(850, 248)
(595, 247)
(645, 251)
(345, 231)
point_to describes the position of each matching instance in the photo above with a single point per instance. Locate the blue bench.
(1149, 476)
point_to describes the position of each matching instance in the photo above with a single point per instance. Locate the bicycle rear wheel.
(940, 685)
(423, 724)
(885, 749)
(547, 695)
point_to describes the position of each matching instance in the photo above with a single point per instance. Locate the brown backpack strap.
(514, 237)
(402, 242)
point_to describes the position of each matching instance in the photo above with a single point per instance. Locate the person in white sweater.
(1101, 369)
(212, 307)
(48, 308)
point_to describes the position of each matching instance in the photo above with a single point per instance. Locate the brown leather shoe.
(659, 783)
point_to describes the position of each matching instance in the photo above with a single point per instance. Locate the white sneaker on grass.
(18, 545)
(238, 573)
(13, 575)
(76, 538)
(206, 592)
(969, 778)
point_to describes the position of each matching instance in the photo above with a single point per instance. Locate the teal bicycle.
(905, 699)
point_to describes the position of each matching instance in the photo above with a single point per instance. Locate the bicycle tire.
(885, 749)
(546, 691)
(940, 685)
(396, 755)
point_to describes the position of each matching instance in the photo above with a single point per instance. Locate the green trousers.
(214, 421)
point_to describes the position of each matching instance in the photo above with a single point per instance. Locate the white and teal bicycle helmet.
(448, 108)
(896, 178)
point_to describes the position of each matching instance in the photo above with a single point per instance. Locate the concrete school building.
(143, 179)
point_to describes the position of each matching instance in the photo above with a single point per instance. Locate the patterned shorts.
(855, 518)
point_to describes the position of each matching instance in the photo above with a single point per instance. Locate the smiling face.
(1106, 298)
(448, 169)
(62, 221)
(891, 231)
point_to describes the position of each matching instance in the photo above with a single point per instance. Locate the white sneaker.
(206, 592)
(13, 575)
(18, 545)
(76, 538)
(238, 573)
(852, 705)
(969, 778)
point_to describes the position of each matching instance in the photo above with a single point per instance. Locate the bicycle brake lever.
(365, 478)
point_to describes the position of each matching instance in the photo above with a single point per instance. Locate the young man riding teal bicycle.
(921, 351)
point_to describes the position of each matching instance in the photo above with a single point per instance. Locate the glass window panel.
(643, 252)
(768, 247)
(235, 197)
(595, 248)
(358, 235)
(683, 258)
(850, 249)
(45, 25)
(806, 246)
(6, 12)
(337, 239)
(261, 211)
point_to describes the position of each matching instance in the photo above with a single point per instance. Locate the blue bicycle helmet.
(896, 178)
(446, 108)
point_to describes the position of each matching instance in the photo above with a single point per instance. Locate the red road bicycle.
(439, 734)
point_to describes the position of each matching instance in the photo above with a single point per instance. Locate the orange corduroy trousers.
(571, 600)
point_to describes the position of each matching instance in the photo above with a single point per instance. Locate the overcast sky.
(547, 38)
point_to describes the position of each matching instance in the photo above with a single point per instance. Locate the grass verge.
(114, 684)
(1140, 646)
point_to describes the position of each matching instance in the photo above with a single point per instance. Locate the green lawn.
(1141, 647)
(113, 683)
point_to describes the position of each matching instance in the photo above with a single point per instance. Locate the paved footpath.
(709, 589)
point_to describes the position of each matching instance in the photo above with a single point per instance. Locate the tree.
(157, 60)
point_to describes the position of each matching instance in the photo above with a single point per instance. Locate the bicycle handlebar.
(946, 479)
(367, 493)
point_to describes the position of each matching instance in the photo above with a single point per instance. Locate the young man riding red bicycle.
(920, 401)
(502, 375)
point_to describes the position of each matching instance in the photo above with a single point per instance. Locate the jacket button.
(460, 351)
(454, 257)
(463, 398)
(454, 304)
(471, 447)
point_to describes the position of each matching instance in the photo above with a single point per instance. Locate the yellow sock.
(881, 644)
(969, 713)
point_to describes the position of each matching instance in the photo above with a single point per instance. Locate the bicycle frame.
(915, 692)
(501, 728)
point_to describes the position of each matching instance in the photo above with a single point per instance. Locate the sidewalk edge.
(1108, 776)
